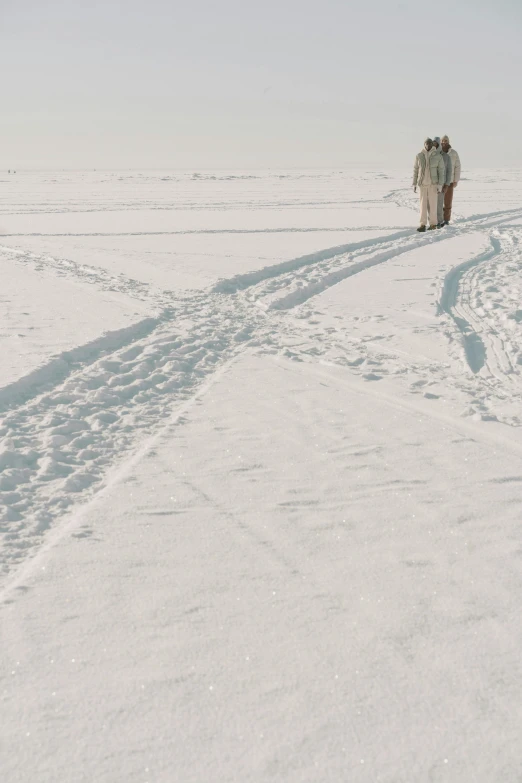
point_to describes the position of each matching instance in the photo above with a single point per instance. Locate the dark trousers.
(448, 201)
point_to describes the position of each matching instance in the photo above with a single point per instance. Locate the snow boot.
(421, 228)
(432, 227)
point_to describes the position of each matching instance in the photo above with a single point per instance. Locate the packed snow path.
(338, 416)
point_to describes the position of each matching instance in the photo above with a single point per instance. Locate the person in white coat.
(455, 167)
(428, 175)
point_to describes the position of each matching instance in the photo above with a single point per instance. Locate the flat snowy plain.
(260, 479)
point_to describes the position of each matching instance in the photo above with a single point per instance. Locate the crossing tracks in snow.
(66, 424)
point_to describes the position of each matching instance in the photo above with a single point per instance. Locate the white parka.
(437, 168)
(455, 161)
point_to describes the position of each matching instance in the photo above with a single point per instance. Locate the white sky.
(271, 83)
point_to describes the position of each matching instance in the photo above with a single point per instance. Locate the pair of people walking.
(436, 173)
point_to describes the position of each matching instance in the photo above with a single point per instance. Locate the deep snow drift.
(260, 479)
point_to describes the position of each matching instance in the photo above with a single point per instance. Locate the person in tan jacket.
(429, 175)
(455, 167)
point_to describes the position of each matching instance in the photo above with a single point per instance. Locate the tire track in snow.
(474, 347)
(61, 366)
(242, 281)
(71, 521)
(57, 447)
(497, 361)
(301, 295)
(500, 355)
(483, 344)
(333, 263)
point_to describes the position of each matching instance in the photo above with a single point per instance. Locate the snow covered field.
(260, 479)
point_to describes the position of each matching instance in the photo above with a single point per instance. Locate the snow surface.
(260, 479)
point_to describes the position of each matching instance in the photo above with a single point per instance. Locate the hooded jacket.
(437, 168)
